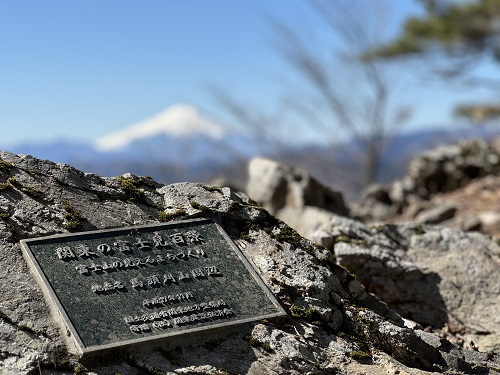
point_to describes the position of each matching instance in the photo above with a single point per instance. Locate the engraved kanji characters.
(108, 287)
(108, 267)
(96, 288)
(123, 246)
(194, 237)
(178, 239)
(161, 259)
(182, 256)
(168, 278)
(198, 273)
(183, 276)
(84, 251)
(136, 283)
(143, 245)
(163, 324)
(128, 263)
(153, 281)
(213, 271)
(97, 268)
(83, 269)
(160, 242)
(65, 253)
(171, 257)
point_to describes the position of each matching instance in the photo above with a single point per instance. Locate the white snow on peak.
(179, 121)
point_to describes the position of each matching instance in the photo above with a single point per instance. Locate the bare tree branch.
(340, 90)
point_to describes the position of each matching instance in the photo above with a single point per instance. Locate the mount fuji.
(181, 144)
(176, 144)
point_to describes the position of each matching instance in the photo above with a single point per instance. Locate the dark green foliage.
(454, 38)
(466, 27)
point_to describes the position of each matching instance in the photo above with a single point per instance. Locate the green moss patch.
(32, 192)
(60, 359)
(131, 189)
(309, 314)
(168, 216)
(74, 219)
(346, 239)
(199, 206)
(255, 343)
(360, 354)
(5, 165)
(4, 186)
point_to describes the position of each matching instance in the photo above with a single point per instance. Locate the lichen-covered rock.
(333, 326)
(433, 275)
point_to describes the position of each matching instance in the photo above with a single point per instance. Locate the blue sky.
(80, 70)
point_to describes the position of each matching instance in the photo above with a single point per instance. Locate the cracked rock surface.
(441, 278)
(333, 325)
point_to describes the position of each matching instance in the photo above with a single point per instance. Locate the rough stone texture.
(306, 219)
(435, 215)
(433, 275)
(275, 186)
(334, 325)
(475, 207)
(441, 170)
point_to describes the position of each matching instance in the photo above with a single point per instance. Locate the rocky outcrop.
(275, 186)
(333, 324)
(292, 195)
(476, 207)
(443, 279)
(437, 171)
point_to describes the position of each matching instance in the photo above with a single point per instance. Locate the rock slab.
(333, 324)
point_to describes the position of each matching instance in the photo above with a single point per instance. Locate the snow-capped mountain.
(179, 121)
(176, 144)
(181, 144)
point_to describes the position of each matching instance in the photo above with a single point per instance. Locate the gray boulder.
(276, 186)
(440, 170)
(435, 276)
(435, 215)
(333, 324)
